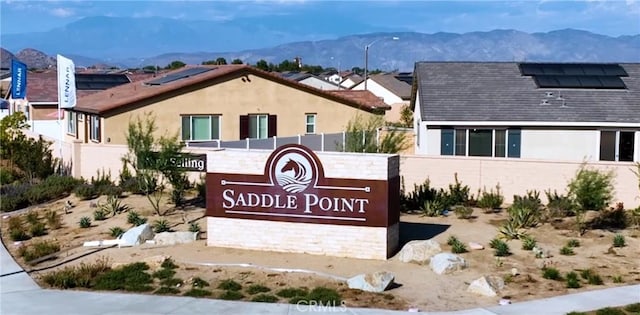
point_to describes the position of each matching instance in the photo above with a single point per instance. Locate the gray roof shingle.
(496, 91)
(391, 83)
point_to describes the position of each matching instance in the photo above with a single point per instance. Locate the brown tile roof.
(391, 83)
(129, 94)
(365, 97)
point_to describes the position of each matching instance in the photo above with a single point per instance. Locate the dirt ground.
(416, 285)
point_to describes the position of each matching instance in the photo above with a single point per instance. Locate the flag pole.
(59, 120)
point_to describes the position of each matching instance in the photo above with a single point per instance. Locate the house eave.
(534, 124)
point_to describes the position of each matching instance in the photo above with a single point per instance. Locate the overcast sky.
(614, 18)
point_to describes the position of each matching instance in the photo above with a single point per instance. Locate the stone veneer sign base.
(292, 200)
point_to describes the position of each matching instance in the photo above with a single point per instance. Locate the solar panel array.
(97, 81)
(580, 76)
(406, 77)
(179, 75)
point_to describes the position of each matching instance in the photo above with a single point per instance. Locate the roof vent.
(544, 102)
(549, 94)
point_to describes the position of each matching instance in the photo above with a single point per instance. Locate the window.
(480, 142)
(94, 128)
(258, 126)
(80, 117)
(617, 146)
(311, 123)
(71, 123)
(200, 127)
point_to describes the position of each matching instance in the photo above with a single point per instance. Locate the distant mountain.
(5, 58)
(36, 59)
(136, 42)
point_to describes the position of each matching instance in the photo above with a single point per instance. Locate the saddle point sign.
(293, 188)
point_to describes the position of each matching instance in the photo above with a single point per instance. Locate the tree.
(209, 62)
(221, 61)
(151, 68)
(406, 116)
(357, 70)
(176, 64)
(369, 136)
(262, 65)
(236, 62)
(153, 168)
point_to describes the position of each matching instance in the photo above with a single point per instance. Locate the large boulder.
(373, 282)
(419, 251)
(137, 235)
(172, 238)
(487, 286)
(444, 263)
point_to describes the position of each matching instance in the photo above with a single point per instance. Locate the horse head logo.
(293, 172)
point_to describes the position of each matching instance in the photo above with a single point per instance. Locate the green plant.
(131, 277)
(86, 191)
(463, 212)
(362, 133)
(613, 218)
(494, 242)
(201, 283)
(501, 249)
(231, 295)
(609, 311)
(452, 240)
(324, 296)
(32, 217)
(577, 313)
(458, 194)
(489, 201)
(166, 290)
(39, 249)
(264, 298)
(591, 276)
(18, 234)
(528, 242)
(292, 292)
(171, 282)
(85, 222)
(551, 274)
(633, 308)
(164, 273)
(558, 205)
(257, 288)
(432, 208)
(459, 248)
(591, 189)
(99, 215)
(531, 200)
(229, 285)
(168, 263)
(135, 219)
(415, 199)
(523, 217)
(619, 241)
(113, 205)
(510, 230)
(53, 219)
(194, 227)
(617, 279)
(195, 292)
(567, 251)
(573, 243)
(37, 229)
(116, 231)
(161, 225)
(572, 280)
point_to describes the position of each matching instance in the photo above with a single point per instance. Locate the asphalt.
(21, 295)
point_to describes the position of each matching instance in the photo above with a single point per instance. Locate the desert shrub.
(523, 217)
(85, 222)
(558, 205)
(591, 276)
(164, 273)
(633, 217)
(573, 243)
(457, 247)
(264, 298)
(195, 292)
(458, 194)
(452, 240)
(166, 290)
(567, 251)
(14, 196)
(53, 219)
(86, 191)
(324, 296)
(116, 231)
(551, 274)
(572, 280)
(415, 199)
(161, 225)
(104, 185)
(168, 264)
(257, 288)
(16, 222)
(131, 277)
(619, 241)
(617, 279)
(591, 189)
(510, 230)
(494, 242)
(609, 311)
(292, 292)
(614, 218)
(39, 249)
(194, 227)
(433, 208)
(32, 217)
(99, 215)
(528, 242)
(201, 283)
(171, 282)
(135, 219)
(37, 229)
(18, 235)
(531, 200)
(462, 212)
(501, 249)
(633, 308)
(113, 205)
(65, 278)
(7, 176)
(230, 285)
(231, 295)
(491, 200)
(76, 276)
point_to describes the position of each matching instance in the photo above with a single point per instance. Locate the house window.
(200, 127)
(311, 123)
(480, 142)
(258, 126)
(461, 142)
(71, 123)
(94, 128)
(80, 117)
(500, 143)
(617, 146)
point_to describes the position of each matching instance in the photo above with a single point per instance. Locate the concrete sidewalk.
(20, 295)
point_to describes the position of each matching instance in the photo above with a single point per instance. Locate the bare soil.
(416, 285)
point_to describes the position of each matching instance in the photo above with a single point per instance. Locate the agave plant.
(511, 231)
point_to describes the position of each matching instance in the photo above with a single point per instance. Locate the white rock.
(514, 272)
(137, 235)
(444, 263)
(487, 286)
(476, 246)
(419, 251)
(373, 282)
(172, 238)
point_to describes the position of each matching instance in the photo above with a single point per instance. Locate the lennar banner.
(66, 82)
(293, 188)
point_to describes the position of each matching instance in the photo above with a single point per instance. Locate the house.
(349, 79)
(393, 88)
(310, 80)
(222, 102)
(546, 111)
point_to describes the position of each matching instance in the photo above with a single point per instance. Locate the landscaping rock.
(487, 286)
(419, 251)
(444, 263)
(514, 272)
(172, 238)
(476, 246)
(541, 253)
(373, 282)
(137, 235)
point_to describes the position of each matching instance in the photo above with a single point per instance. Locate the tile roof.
(361, 96)
(391, 83)
(129, 94)
(496, 91)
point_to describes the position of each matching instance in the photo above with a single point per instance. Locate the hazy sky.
(332, 18)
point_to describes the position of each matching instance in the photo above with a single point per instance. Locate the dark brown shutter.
(99, 122)
(244, 127)
(273, 126)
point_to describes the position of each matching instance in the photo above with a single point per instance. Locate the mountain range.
(137, 42)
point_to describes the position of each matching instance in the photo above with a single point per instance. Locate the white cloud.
(61, 12)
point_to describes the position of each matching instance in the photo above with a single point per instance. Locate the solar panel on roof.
(588, 69)
(179, 75)
(581, 82)
(96, 81)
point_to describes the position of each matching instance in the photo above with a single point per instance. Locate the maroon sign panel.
(293, 188)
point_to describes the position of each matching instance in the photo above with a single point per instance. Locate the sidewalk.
(20, 295)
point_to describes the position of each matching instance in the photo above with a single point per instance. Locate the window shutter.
(446, 142)
(513, 151)
(99, 135)
(244, 127)
(273, 126)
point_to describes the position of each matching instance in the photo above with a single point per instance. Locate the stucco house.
(547, 111)
(393, 88)
(223, 102)
(310, 80)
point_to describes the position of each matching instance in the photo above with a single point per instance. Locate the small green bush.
(619, 241)
(257, 288)
(37, 229)
(195, 292)
(161, 225)
(116, 231)
(325, 296)
(530, 201)
(572, 280)
(463, 212)
(168, 264)
(85, 222)
(551, 274)
(502, 250)
(18, 235)
(591, 276)
(32, 217)
(573, 243)
(39, 249)
(164, 273)
(292, 292)
(567, 251)
(528, 242)
(194, 227)
(231, 295)
(494, 242)
(86, 192)
(53, 219)
(113, 205)
(99, 215)
(633, 308)
(609, 311)
(166, 290)
(558, 205)
(433, 208)
(229, 285)
(171, 282)
(617, 279)
(131, 277)
(591, 189)
(264, 298)
(135, 219)
(200, 283)
(491, 200)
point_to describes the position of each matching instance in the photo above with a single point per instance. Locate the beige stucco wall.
(40, 112)
(233, 98)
